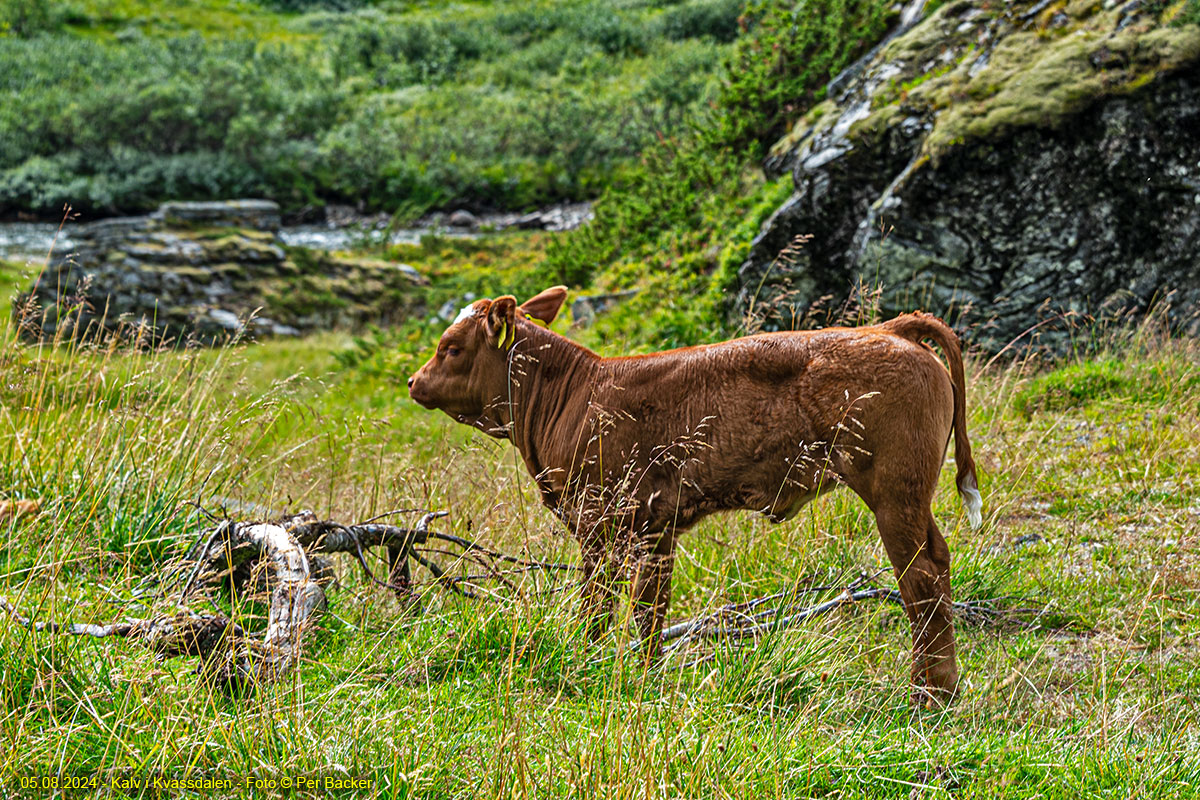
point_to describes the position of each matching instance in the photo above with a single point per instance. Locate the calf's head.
(468, 373)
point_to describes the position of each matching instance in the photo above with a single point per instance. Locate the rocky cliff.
(200, 271)
(999, 164)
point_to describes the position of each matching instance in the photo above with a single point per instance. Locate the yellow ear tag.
(536, 321)
(503, 333)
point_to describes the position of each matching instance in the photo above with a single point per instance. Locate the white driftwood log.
(296, 599)
(228, 654)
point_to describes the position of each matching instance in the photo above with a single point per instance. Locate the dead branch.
(738, 621)
(289, 549)
(169, 635)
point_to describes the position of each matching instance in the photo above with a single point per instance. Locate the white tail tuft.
(973, 501)
(974, 508)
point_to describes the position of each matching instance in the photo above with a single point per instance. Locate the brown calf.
(629, 452)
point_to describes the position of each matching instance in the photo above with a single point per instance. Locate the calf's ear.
(501, 322)
(546, 304)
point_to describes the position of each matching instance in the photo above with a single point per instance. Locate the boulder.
(462, 219)
(262, 215)
(1004, 165)
(585, 308)
(449, 309)
(560, 217)
(205, 272)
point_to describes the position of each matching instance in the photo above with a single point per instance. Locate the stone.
(412, 273)
(462, 219)
(449, 310)
(226, 319)
(269, 327)
(1045, 179)
(260, 215)
(533, 220)
(585, 308)
(189, 273)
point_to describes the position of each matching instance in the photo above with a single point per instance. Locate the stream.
(26, 242)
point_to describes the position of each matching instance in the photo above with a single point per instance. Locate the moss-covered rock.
(997, 163)
(186, 272)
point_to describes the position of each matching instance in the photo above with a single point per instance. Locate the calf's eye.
(453, 351)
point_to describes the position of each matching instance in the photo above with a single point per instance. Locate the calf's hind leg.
(921, 562)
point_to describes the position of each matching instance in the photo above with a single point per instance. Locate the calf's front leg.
(651, 591)
(598, 598)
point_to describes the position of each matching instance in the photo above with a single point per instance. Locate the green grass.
(506, 699)
(13, 278)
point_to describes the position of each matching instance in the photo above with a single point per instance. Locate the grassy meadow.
(1089, 477)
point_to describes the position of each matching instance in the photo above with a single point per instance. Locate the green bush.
(418, 52)
(614, 31)
(316, 5)
(27, 18)
(123, 178)
(477, 106)
(673, 189)
(792, 51)
(717, 19)
(679, 223)
(1189, 15)
(119, 129)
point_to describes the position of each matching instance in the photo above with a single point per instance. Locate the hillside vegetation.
(115, 105)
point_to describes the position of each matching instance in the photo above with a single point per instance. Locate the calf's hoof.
(935, 691)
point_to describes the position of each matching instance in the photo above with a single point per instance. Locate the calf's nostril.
(410, 383)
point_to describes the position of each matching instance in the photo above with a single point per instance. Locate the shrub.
(304, 6)
(615, 32)
(673, 189)
(792, 51)
(396, 54)
(682, 82)
(716, 19)
(679, 223)
(1189, 14)
(121, 128)
(27, 18)
(477, 106)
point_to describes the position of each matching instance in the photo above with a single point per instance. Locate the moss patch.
(980, 70)
(1031, 82)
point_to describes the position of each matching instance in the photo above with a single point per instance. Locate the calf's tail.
(916, 328)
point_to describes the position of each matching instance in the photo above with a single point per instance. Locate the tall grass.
(1092, 509)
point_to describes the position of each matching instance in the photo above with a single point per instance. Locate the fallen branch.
(229, 654)
(290, 546)
(181, 634)
(735, 622)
